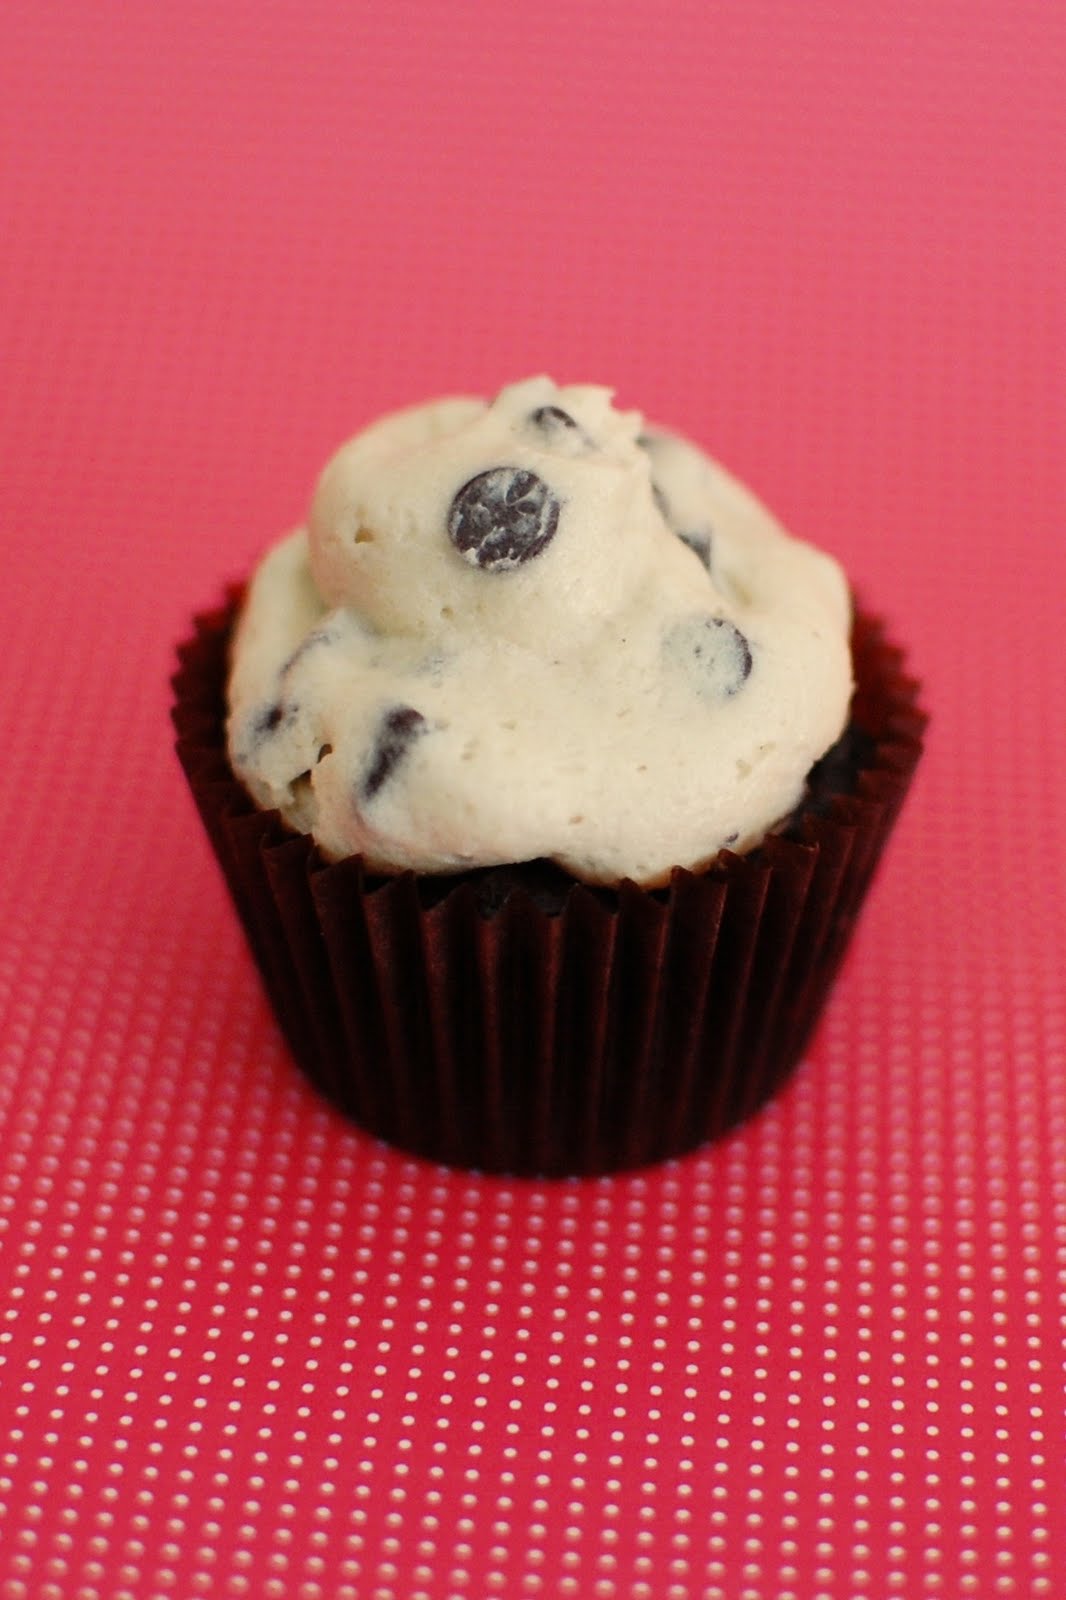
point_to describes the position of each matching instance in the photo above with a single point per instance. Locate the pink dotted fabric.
(245, 1350)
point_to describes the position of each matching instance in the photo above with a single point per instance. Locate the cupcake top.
(535, 628)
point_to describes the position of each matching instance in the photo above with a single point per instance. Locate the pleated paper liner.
(514, 1020)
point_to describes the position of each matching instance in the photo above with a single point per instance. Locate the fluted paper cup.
(515, 1020)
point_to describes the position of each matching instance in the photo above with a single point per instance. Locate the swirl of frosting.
(534, 628)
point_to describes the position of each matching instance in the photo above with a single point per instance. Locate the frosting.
(534, 627)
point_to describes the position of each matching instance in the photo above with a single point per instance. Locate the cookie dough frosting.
(534, 627)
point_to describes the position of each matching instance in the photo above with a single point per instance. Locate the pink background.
(243, 1349)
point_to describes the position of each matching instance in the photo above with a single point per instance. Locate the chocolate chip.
(700, 544)
(269, 719)
(553, 418)
(560, 431)
(714, 651)
(398, 730)
(502, 518)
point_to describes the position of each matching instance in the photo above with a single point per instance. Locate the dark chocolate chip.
(398, 730)
(700, 544)
(553, 418)
(715, 651)
(269, 719)
(502, 518)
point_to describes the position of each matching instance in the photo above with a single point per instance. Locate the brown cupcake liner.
(515, 1020)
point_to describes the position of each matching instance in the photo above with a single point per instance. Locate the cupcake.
(548, 774)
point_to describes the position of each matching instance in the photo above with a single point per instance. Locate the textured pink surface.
(243, 1349)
